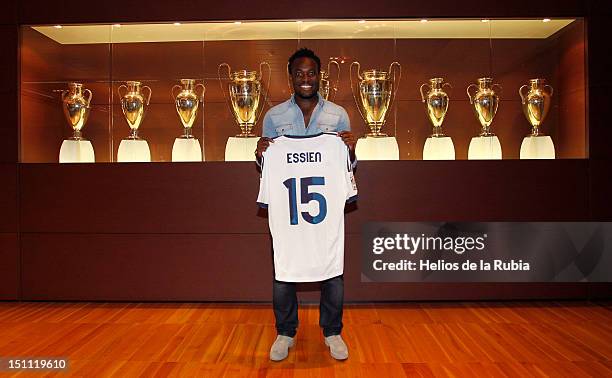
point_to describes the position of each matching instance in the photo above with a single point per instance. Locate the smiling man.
(306, 113)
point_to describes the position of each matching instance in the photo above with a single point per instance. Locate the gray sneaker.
(337, 347)
(280, 348)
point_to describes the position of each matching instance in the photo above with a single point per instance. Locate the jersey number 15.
(306, 197)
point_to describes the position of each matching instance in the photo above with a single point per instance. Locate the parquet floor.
(572, 339)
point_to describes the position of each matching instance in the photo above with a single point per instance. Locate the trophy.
(436, 102)
(536, 103)
(187, 104)
(244, 96)
(133, 105)
(376, 89)
(437, 146)
(76, 108)
(485, 102)
(327, 89)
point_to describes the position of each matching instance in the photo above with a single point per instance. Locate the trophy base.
(485, 148)
(76, 138)
(537, 147)
(439, 148)
(241, 148)
(376, 135)
(186, 137)
(77, 151)
(133, 151)
(186, 149)
(437, 135)
(377, 148)
(249, 135)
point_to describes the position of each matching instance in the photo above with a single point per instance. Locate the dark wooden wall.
(191, 231)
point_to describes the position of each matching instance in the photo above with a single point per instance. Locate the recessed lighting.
(361, 21)
(424, 20)
(237, 22)
(485, 20)
(177, 24)
(117, 25)
(546, 20)
(58, 26)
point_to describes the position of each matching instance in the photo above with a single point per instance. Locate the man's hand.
(349, 139)
(262, 144)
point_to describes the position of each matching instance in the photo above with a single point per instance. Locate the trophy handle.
(520, 91)
(150, 93)
(119, 91)
(172, 91)
(469, 94)
(289, 79)
(421, 90)
(229, 76)
(445, 84)
(335, 84)
(261, 66)
(353, 88)
(91, 95)
(551, 89)
(229, 70)
(500, 91)
(397, 76)
(203, 90)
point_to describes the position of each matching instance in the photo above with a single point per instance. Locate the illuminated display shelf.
(104, 56)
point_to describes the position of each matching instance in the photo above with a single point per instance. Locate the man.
(307, 113)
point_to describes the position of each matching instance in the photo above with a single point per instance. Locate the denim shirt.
(287, 119)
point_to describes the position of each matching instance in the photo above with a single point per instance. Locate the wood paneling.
(215, 267)
(9, 140)
(141, 198)
(9, 220)
(9, 267)
(138, 267)
(9, 40)
(600, 179)
(470, 191)
(220, 197)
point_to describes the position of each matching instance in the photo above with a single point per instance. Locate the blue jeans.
(284, 301)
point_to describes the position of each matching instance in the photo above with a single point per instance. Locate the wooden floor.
(385, 340)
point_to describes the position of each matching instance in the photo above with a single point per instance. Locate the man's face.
(305, 78)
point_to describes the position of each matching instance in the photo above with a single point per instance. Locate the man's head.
(304, 68)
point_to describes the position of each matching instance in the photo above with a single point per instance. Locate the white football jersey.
(305, 182)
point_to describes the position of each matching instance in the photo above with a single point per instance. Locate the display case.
(60, 63)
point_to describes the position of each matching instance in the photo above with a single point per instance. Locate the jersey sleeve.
(349, 178)
(262, 197)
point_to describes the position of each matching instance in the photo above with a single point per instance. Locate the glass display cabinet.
(414, 89)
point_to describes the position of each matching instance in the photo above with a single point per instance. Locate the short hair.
(304, 53)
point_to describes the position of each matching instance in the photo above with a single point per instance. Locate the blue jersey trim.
(305, 136)
(262, 205)
(352, 199)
